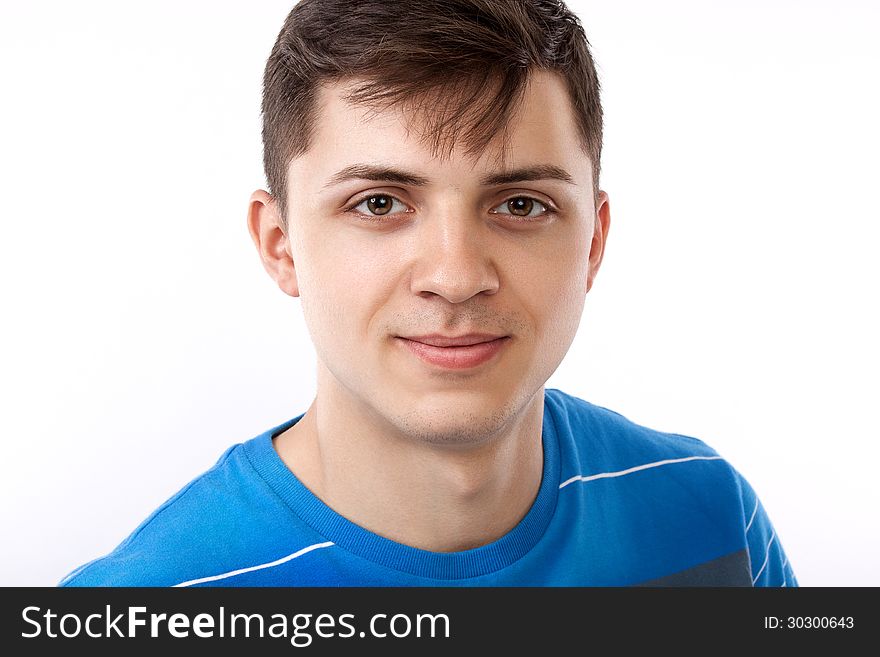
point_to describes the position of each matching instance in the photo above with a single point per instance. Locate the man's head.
(459, 66)
(387, 237)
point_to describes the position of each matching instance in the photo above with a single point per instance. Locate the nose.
(454, 259)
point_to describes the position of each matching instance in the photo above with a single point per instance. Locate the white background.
(737, 301)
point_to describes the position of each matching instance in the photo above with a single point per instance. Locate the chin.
(453, 421)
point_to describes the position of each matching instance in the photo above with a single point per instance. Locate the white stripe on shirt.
(766, 558)
(272, 564)
(753, 517)
(620, 473)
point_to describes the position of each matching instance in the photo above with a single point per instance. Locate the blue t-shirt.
(619, 504)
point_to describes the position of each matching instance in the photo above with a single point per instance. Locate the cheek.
(554, 288)
(342, 284)
(557, 280)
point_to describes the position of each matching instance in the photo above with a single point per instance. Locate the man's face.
(379, 263)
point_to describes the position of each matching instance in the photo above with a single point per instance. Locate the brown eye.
(379, 204)
(525, 207)
(376, 206)
(520, 206)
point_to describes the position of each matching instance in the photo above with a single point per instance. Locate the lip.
(455, 352)
(440, 340)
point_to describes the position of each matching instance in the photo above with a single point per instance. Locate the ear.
(267, 232)
(600, 236)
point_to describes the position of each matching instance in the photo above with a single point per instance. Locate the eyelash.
(549, 209)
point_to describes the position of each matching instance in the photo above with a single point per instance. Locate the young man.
(434, 203)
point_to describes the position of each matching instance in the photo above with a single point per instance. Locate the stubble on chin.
(456, 427)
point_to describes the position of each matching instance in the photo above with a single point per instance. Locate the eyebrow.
(390, 174)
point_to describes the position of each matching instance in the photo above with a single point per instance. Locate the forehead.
(541, 130)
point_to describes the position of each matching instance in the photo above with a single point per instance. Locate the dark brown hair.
(461, 65)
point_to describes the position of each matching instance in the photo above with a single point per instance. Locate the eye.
(523, 206)
(377, 205)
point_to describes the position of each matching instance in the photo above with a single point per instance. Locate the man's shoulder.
(597, 442)
(597, 427)
(671, 487)
(204, 521)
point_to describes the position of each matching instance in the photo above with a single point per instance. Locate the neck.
(440, 498)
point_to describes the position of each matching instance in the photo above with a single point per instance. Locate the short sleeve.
(769, 563)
